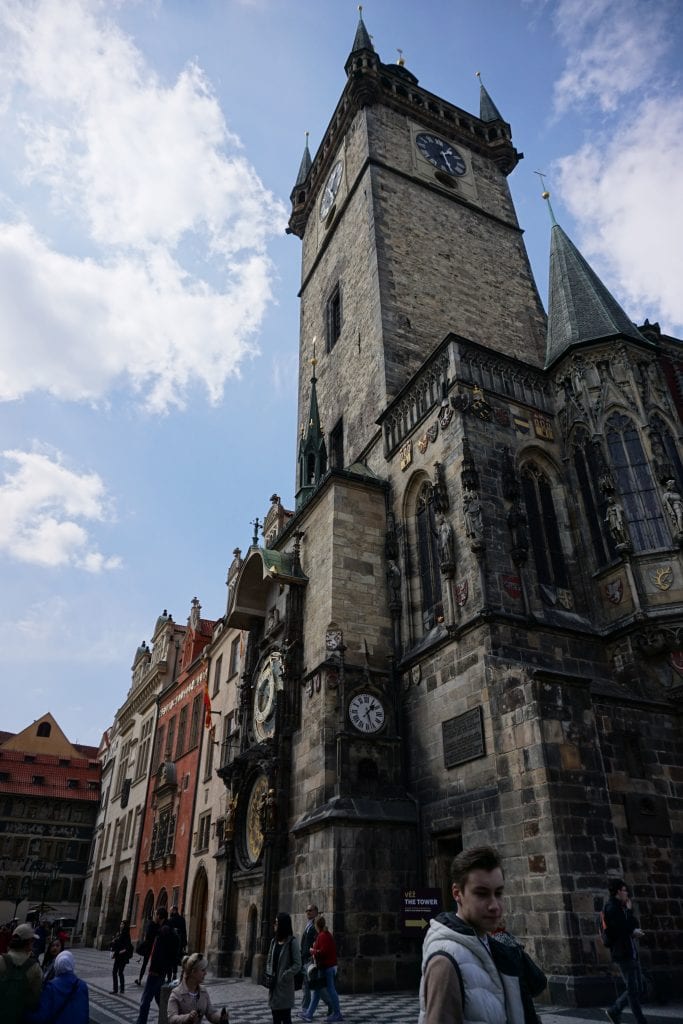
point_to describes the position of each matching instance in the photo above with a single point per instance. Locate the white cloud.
(614, 47)
(145, 179)
(42, 507)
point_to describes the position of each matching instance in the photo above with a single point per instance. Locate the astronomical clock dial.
(253, 833)
(330, 190)
(442, 154)
(366, 713)
(264, 702)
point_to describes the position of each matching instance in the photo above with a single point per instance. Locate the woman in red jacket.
(324, 952)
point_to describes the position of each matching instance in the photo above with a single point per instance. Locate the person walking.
(160, 961)
(65, 999)
(282, 966)
(324, 952)
(307, 939)
(189, 1002)
(145, 948)
(122, 951)
(622, 930)
(467, 974)
(21, 979)
(177, 923)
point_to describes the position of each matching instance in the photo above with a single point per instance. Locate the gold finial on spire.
(360, 10)
(306, 134)
(314, 361)
(477, 74)
(401, 59)
(545, 194)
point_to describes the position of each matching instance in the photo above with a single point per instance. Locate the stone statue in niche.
(446, 544)
(673, 503)
(615, 521)
(394, 582)
(473, 516)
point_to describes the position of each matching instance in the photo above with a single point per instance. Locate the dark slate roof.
(488, 111)
(580, 308)
(304, 166)
(362, 40)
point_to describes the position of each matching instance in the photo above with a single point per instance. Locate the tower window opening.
(333, 318)
(428, 559)
(635, 484)
(44, 729)
(337, 446)
(543, 528)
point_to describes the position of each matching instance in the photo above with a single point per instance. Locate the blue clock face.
(440, 153)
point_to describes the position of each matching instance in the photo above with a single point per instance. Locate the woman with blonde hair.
(189, 1002)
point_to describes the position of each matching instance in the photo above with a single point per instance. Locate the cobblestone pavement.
(248, 1003)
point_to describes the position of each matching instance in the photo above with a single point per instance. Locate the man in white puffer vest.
(467, 976)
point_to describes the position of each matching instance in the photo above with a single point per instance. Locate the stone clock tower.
(480, 587)
(408, 232)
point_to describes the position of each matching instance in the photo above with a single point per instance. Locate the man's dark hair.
(479, 858)
(614, 885)
(162, 912)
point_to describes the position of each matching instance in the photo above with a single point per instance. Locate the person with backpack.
(621, 929)
(21, 979)
(65, 999)
(122, 951)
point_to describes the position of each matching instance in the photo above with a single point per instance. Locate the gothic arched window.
(635, 484)
(543, 528)
(428, 559)
(594, 501)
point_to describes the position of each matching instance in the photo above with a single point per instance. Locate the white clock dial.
(366, 712)
(330, 190)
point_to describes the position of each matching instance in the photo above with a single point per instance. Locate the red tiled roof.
(21, 774)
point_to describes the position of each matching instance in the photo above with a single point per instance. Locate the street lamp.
(49, 875)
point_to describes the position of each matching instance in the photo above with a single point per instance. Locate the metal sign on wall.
(463, 738)
(419, 907)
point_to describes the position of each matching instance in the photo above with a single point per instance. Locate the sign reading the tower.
(463, 738)
(419, 906)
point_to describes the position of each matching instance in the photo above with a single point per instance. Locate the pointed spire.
(362, 40)
(580, 308)
(488, 111)
(312, 448)
(304, 166)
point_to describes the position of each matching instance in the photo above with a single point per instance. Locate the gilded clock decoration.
(253, 832)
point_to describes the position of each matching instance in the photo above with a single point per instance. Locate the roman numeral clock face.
(366, 713)
(442, 154)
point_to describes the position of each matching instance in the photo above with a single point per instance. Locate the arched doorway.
(197, 936)
(147, 913)
(250, 947)
(162, 900)
(116, 909)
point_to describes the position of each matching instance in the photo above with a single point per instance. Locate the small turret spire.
(312, 449)
(488, 111)
(304, 166)
(362, 40)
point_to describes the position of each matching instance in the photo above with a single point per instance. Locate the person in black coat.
(162, 959)
(122, 951)
(145, 947)
(622, 930)
(177, 922)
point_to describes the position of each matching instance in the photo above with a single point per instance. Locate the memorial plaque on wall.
(647, 814)
(463, 738)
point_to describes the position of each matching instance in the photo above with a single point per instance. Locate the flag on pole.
(207, 705)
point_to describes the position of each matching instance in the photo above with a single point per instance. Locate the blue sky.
(148, 310)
